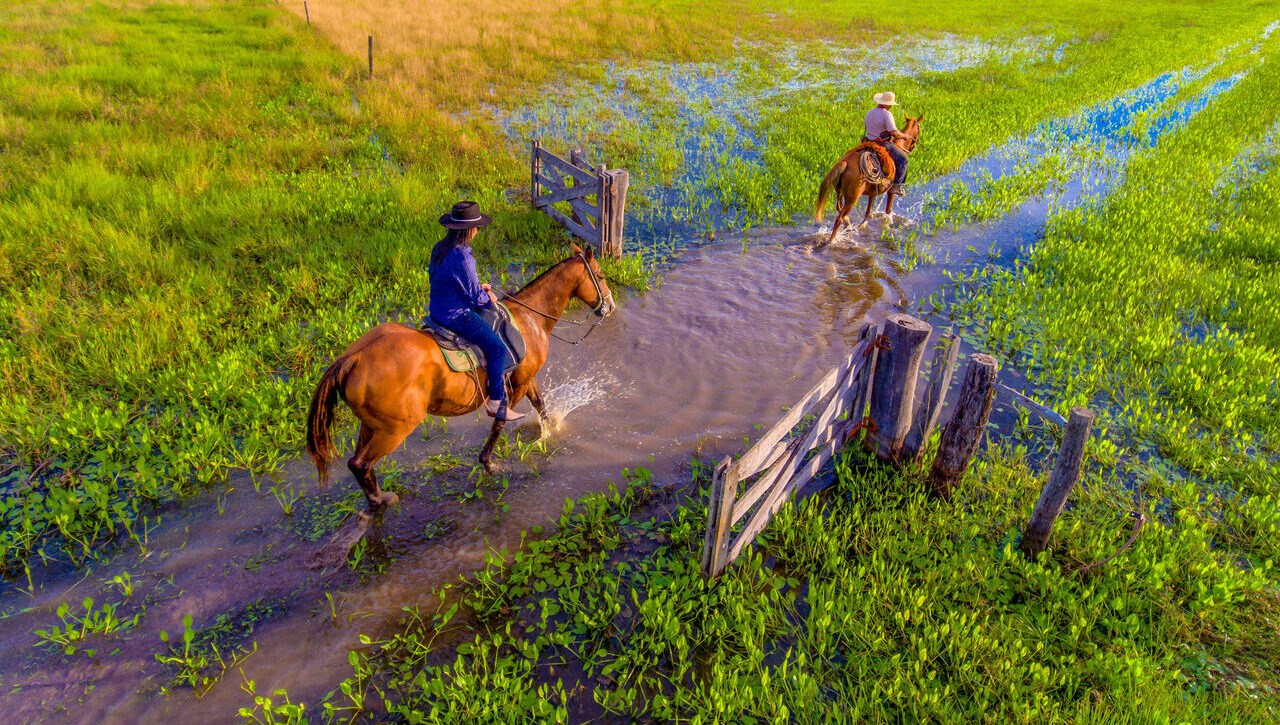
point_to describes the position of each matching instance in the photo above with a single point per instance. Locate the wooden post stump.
(370, 57)
(615, 209)
(963, 434)
(1066, 471)
(926, 417)
(307, 10)
(893, 390)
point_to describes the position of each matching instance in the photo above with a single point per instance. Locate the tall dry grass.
(440, 65)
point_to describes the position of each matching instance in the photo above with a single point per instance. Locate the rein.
(601, 300)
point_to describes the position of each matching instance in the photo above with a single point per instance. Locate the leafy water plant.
(76, 629)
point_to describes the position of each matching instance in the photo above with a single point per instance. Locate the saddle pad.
(462, 356)
(460, 361)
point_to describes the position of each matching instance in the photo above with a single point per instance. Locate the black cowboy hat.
(465, 215)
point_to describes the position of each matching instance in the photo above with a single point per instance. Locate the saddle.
(874, 163)
(462, 356)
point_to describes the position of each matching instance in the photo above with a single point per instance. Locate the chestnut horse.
(846, 178)
(395, 375)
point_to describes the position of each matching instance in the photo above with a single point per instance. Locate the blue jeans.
(899, 162)
(470, 326)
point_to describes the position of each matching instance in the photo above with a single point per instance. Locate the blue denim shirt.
(455, 286)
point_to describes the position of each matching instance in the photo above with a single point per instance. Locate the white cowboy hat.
(885, 99)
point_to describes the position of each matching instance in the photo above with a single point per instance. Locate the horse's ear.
(590, 253)
(920, 117)
(576, 249)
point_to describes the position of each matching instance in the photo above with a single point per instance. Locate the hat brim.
(882, 102)
(447, 221)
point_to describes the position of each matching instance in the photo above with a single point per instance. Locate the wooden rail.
(781, 458)
(554, 180)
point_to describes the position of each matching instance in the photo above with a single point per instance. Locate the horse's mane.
(544, 273)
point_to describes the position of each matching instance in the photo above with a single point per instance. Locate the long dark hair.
(452, 240)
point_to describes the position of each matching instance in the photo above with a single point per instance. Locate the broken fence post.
(893, 389)
(1066, 471)
(963, 434)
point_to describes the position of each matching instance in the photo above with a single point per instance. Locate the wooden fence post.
(615, 204)
(535, 187)
(370, 57)
(724, 489)
(926, 417)
(893, 389)
(963, 434)
(307, 10)
(1066, 471)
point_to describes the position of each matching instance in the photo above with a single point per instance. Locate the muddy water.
(735, 332)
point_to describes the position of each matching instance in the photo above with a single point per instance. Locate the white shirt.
(878, 121)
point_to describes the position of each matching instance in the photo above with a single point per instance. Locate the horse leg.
(535, 397)
(370, 448)
(843, 216)
(516, 394)
(866, 219)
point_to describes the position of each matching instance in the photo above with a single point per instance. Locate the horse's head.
(912, 131)
(592, 288)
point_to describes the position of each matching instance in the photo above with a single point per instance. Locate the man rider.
(883, 130)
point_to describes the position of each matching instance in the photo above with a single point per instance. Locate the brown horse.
(846, 178)
(394, 375)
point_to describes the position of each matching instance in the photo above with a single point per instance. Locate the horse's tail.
(320, 416)
(829, 182)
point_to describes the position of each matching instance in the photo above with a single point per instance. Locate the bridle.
(603, 301)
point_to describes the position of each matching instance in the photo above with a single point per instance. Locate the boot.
(498, 409)
(898, 189)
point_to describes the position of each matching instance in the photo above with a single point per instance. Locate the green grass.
(874, 602)
(194, 220)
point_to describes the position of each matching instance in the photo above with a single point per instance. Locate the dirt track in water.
(732, 336)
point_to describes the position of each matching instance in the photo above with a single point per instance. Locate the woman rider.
(456, 295)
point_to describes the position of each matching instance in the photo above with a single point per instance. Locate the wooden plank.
(589, 235)
(728, 490)
(926, 417)
(963, 434)
(893, 390)
(776, 479)
(765, 449)
(711, 543)
(558, 192)
(1063, 478)
(856, 362)
(584, 208)
(859, 410)
(568, 169)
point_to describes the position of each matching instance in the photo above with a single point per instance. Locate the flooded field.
(736, 330)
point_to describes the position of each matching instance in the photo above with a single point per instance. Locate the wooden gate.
(593, 200)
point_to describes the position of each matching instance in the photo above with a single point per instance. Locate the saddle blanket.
(462, 356)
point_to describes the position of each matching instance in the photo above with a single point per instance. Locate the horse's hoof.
(862, 227)
(384, 500)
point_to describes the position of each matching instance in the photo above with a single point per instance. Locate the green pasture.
(201, 203)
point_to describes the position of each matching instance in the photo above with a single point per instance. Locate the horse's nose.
(608, 307)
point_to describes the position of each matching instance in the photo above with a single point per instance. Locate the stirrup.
(501, 411)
